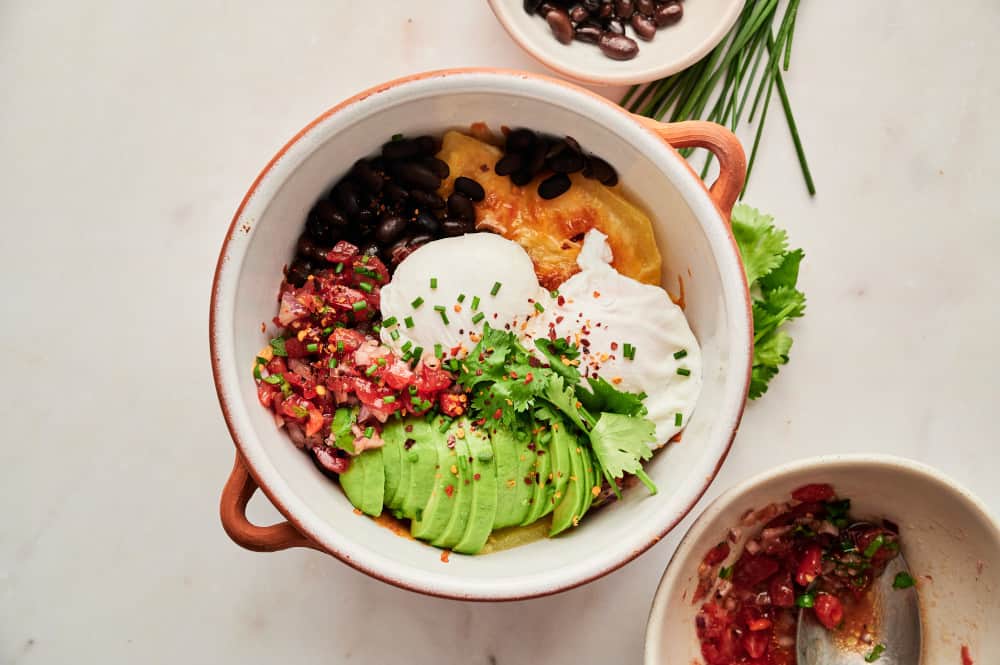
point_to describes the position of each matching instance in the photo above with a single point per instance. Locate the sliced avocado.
(364, 482)
(461, 473)
(524, 483)
(562, 442)
(422, 458)
(542, 488)
(484, 494)
(567, 511)
(432, 520)
(392, 459)
(405, 465)
(505, 454)
(590, 479)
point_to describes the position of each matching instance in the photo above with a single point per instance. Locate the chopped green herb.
(312, 348)
(339, 268)
(407, 346)
(496, 288)
(397, 137)
(274, 379)
(554, 293)
(278, 345)
(678, 419)
(874, 546)
(438, 351)
(725, 572)
(445, 424)
(539, 308)
(299, 411)
(417, 302)
(461, 297)
(903, 580)
(340, 346)
(444, 317)
(286, 389)
(366, 258)
(409, 322)
(369, 431)
(683, 371)
(256, 371)
(366, 287)
(805, 600)
(394, 334)
(388, 399)
(371, 370)
(360, 305)
(390, 322)
(875, 653)
(332, 363)
(440, 308)
(475, 303)
(380, 362)
(327, 330)
(418, 352)
(434, 282)
(680, 354)
(478, 317)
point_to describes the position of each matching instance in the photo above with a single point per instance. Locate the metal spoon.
(897, 619)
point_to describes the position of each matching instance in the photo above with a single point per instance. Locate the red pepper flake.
(497, 414)
(614, 346)
(449, 490)
(966, 658)
(475, 477)
(513, 374)
(529, 378)
(561, 300)
(597, 294)
(444, 555)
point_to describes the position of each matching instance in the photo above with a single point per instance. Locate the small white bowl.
(704, 24)
(951, 544)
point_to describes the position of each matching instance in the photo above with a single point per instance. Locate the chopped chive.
(444, 426)
(256, 371)
(875, 653)
(371, 370)
(725, 572)
(440, 308)
(397, 137)
(874, 546)
(340, 345)
(366, 258)
(312, 348)
(678, 419)
(390, 322)
(418, 352)
(903, 580)
(453, 364)
(360, 305)
(438, 351)
(554, 293)
(680, 354)
(413, 390)
(407, 346)
(539, 308)
(444, 317)
(274, 379)
(417, 303)
(434, 282)
(366, 287)
(475, 303)
(388, 399)
(478, 317)
(394, 334)
(328, 330)
(332, 363)
(806, 600)
(496, 288)
(408, 321)
(380, 362)
(278, 344)
(461, 297)
(339, 268)
(369, 431)
(377, 327)
(683, 371)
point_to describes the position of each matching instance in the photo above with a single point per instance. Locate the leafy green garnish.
(621, 444)
(875, 653)
(278, 345)
(772, 274)
(903, 580)
(340, 428)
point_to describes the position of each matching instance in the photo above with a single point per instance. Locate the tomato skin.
(431, 380)
(781, 591)
(752, 569)
(717, 554)
(342, 252)
(266, 393)
(352, 339)
(277, 365)
(810, 566)
(315, 422)
(398, 375)
(814, 492)
(756, 643)
(829, 611)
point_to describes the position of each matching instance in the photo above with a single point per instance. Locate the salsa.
(810, 553)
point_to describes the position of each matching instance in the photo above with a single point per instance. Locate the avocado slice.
(405, 465)
(567, 511)
(524, 482)
(562, 442)
(422, 459)
(542, 487)
(364, 482)
(431, 520)
(484, 494)
(505, 455)
(590, 479)
(461, 473)
(392, 459)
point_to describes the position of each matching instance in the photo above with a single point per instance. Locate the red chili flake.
(529, 378)
(449, 490)
(614, 346)
(513, 374)
(475, 476)
(528, 480)
(497, 414)
(559, 319)
(561, 300)
(408, 428)
(597, 294)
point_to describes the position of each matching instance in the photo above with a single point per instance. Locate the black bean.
(592, 5)
(470, 188)
(370, 180)
(325, 224)
(365, 217)
(618, 47)
(299, 271)
(601, 171)
(553, 186)
(616, 26)
(624, 9)
(645, 7)
(425, 200)
(400, 149)
(460, 207)
(508, 164)
(455, 227)
(399, 250)
(644, 27)
(394, 193)
(308, 248)
(520, 140)
(669, 13)
(414, 175)
(560, 24)
(370, 249)
(522, 177)
(606, 10)
(436, 166)
(427, 223)
(567, 161)
(428, 146)
(347, 196)
(588, 32)
(389, 228)
(573, 144)
(578, 13)
(531, 6)
(537, 158)
(545, 8)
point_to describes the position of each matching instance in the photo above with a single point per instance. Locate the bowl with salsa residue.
(715, 595)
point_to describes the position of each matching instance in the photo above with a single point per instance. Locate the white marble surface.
(129, 131)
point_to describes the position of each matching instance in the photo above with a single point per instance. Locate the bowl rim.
(627, 77)
(284, 503)
(672, 572)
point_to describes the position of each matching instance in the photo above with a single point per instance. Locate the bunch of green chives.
(721, 81)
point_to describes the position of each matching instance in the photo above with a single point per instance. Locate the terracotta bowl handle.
(721, 142)
(235, 496)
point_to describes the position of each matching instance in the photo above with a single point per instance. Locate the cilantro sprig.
(508, 386)
(772, 274)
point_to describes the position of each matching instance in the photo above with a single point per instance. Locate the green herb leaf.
(762, 246)
(875, 653)
(604, 397)
(340, 430)
(621, 444)
(278, 345)
(903, 580)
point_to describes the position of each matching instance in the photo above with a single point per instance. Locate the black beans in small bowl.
(607, 23)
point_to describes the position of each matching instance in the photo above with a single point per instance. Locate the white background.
(129, 131)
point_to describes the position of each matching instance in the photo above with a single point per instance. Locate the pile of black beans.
(603, 22)
(528, 154)
(388, 206)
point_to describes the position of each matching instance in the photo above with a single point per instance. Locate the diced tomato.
(342, 298)
(342, 252)
(398, 375)
(814, 492)
(810, 566)
(277, 365)
(717, 554)
(759, 624)
(453, 405)
(801, 510)
(351, 338)
(966, 657)
(296, 407)
(266, 393)
(363, 268)
(828, 610)
(315, 423)
(751, 570)
(756, 643)
(294, 348)
(781, 591)
(431, 380)
(329, 460)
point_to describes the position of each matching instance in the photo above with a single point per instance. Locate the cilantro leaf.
(787, 272)
(772, 349)
(603, 396)
(621, 444)
(554, 352)
(762, 246)
(563, 397)
(340, 430)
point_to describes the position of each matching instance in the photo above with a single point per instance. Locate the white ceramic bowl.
(696, 244)
(704, 24)
(951, 544)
